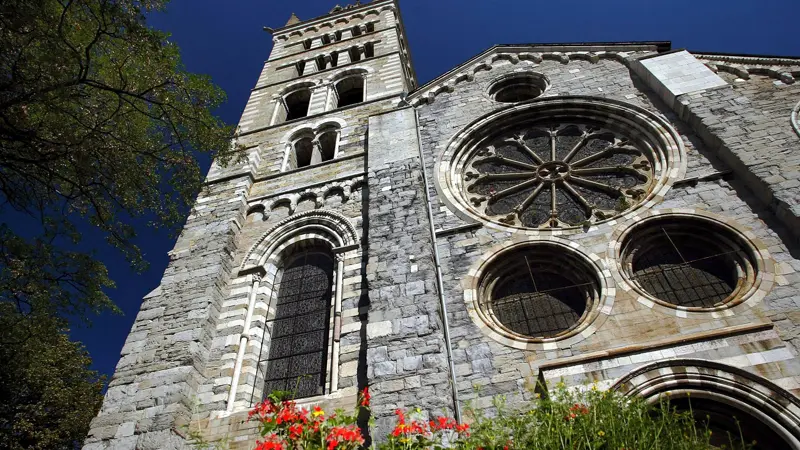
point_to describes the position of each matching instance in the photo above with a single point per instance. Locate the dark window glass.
(351, 91)
(303, 151)
(299, 331)
(538, 303)
(730, 427)
(297, 104)
(327, 142)
(685, 270)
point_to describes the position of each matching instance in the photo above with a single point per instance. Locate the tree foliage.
(49, 393)
(100, 122)
(101, 125)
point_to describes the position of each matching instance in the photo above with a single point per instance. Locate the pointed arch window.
(298, 352)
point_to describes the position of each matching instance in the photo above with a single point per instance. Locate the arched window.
(301, 67)
(369, 50)
(328, 143)
(307, 148)
(297, 104)
(303, 152)
(357, 30)
(350, 91)
(299, 328)
(321, 63)
(370, 27)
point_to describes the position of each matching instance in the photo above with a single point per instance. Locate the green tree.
(49, 393)
(100, 122)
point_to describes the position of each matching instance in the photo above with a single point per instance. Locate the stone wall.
(485, 367)
(150, 398)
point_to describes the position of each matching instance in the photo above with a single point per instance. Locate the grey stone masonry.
(415, 311)
(747, 126)
(149, 399)
(406, 356)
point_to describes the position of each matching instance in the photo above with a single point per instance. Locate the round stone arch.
(318, 224)
(596, 313)
(753, 250)
(318, 228)
(711, 381)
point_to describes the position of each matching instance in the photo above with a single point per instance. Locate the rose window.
(557, 175)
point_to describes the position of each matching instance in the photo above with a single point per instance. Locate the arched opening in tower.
(351, 91)
(297, 104)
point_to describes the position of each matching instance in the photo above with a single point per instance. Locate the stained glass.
(299, 329)
(557, 175)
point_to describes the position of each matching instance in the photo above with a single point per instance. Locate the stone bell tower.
(270, 284)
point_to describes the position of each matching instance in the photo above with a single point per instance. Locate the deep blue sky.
(225, 39)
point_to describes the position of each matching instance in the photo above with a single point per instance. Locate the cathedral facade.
(623, 214)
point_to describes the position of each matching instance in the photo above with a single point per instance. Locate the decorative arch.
(291, 87)
(358, 70)
(313, 128)
(736, 388)
(326, 225)
(321, 239)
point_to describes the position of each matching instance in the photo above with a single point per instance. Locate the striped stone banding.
(736, 387)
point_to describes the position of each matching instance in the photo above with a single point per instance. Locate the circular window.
(689, 262)
(556, 174)
(539, 291)
(557, 164)
(518, 87)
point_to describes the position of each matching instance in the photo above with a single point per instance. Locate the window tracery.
(551, 175)
(563, 163)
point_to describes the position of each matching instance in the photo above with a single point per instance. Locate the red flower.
(365, 398)
(295, 430)
(273, 442)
